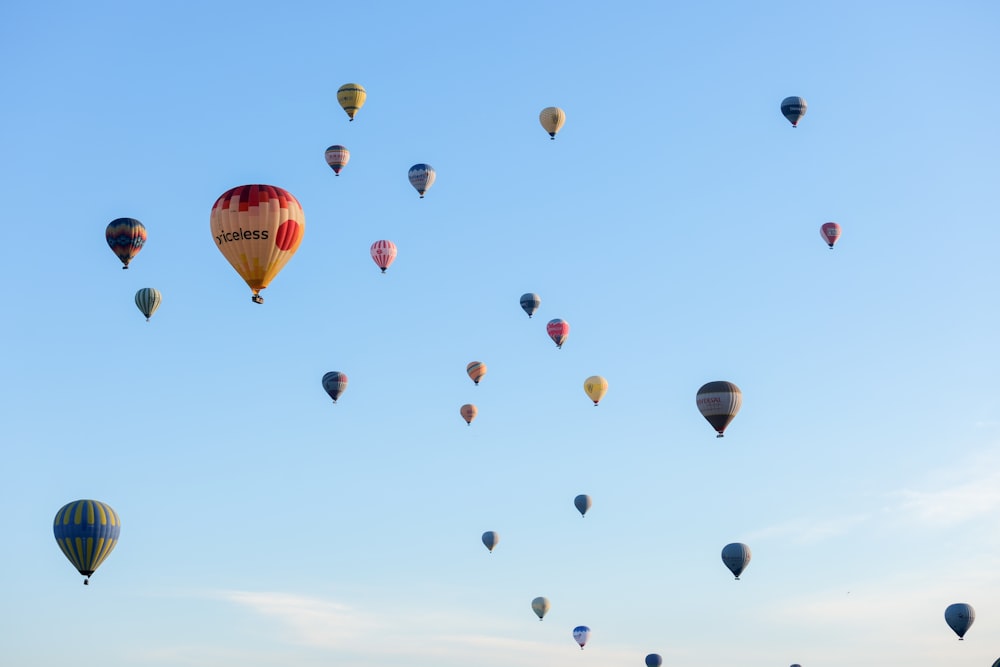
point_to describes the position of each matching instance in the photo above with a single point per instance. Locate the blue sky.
(674, 223)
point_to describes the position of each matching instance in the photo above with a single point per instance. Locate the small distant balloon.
(736, 557)
(147, 300)
(351, 97)
(335, 384)
(540, 606)
(718, 403)
(552, 119)
(468, 412)
(654, 660)
(793, 108)
(87, 532)
(125, 237)
(530, 303)
(596, 387)
(383, 253)
(582, 503)
(491, 539)
(422, 177)
(558, 331)
(476, 370)
(337, 157)
(959, 617)
(581, 634)
(830, 231)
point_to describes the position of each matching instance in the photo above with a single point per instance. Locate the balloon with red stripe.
(383, 253)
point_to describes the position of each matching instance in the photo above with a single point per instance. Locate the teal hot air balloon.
(335, 383)
(422, 177)
(491, 539)
(959, 617)
(540, 606)
(86, 531)
(582, 503)
(530, 303)
(147, 300)
(793, 108)
(125, 237)
(654, 660)
(736, 556)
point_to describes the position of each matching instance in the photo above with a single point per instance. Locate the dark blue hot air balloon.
(86, 531)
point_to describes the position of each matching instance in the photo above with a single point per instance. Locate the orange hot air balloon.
(257, 228)
(469, 413)
(476, 370)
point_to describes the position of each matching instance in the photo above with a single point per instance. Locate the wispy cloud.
(810, 531)
(976, 495)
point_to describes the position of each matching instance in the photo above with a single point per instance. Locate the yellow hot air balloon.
(596, 387)
(552, 119)
(352, 97)
(476, 370)
(257, 228)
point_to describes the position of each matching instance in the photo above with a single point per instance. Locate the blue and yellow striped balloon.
(86, 531)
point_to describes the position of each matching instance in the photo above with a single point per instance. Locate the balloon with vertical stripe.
(147, 300)
(351, 97)
(125, 237)
(86, 531)
(383, 253)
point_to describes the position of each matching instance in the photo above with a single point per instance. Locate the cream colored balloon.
(552, 119)
(596, 387)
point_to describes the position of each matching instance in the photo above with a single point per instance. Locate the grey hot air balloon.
(793, 108)
(719, 402)
(148, 299)
(490, 539)
(335, 383)
(582, 503)
(540, 606)
(736, 556)
(530, 303)
(960, 617)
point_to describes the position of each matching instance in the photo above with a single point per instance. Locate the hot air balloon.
(476, 370)
(996, 663)
(148, 300)
(490, 539)
(383, 253)
(581, 634)
(830, 231)
(468, 412)
(125, 236)
(795, 665)
(257, 228)
(793, 108)
(596, 387)
(86, 531)
(558, 331)
(335, 383)
(960, 617)
(552, 119)
(736, 556)
(582, 503)
(530, 303)
(337, 157)
(351, 97)
(719, 402)
(654, 660)
(540, 606)
(422, 177)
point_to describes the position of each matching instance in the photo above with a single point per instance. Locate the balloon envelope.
(540, 606)
(86, 531)
(490, 539)
(582, 503)
(125, 237)
(736, 556)
(960, 617)
(476, 370)
(581, 634)
(793, 108)
(719, 402)
(468, 412)
(147, 300)
(351, 97)
(558, 331)
(830, 231)
(422, 177)
(552, 119)
(530, 303)
(654, 660)
(383, 253)
(257, 228)
(596, 387)
(335, 383)
(337, 157)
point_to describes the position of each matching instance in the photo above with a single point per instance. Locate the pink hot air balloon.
(384, 253)
(830, 231)
(337, 157)
(558, 331)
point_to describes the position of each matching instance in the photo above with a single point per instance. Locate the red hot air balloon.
(384, 253)
(558, 331)
(125, 237)
(830, 231)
